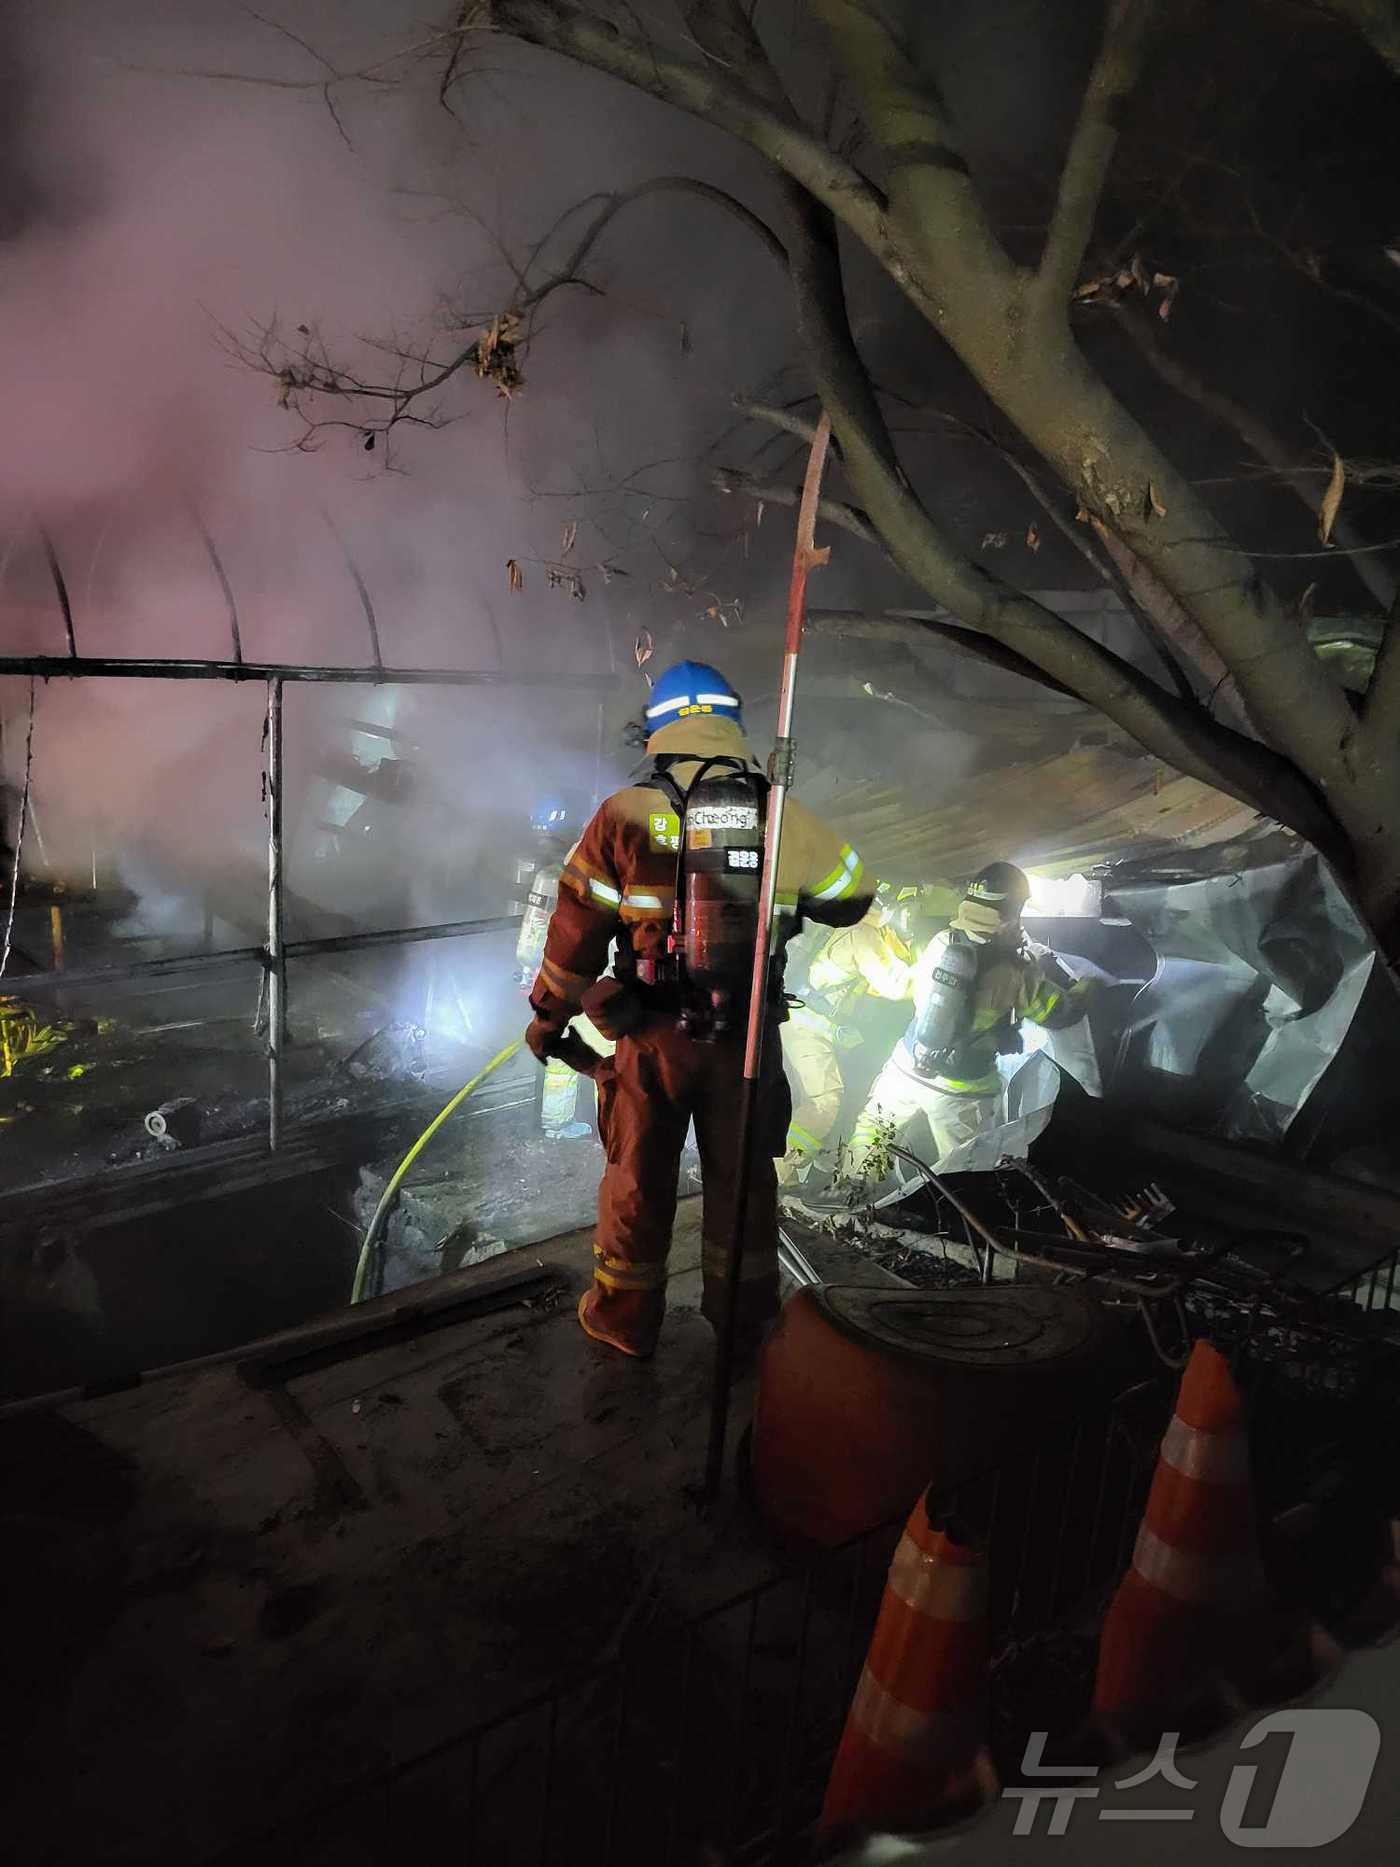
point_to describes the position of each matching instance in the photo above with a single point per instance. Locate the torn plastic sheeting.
(1027, 1103)
(1302, 1042)
(1182, 1009)
(1072, 1049)
(1281, 936)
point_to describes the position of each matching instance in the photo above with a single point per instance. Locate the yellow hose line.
(357, 1290)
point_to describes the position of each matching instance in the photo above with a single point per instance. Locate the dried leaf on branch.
(1032, 538)
(515, 577)
(496, 359)
(1154, 501)
(1331, 499)
(644, 648)
(1110, 288)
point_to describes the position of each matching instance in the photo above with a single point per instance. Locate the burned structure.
(1052, 1301)
(333, 1536)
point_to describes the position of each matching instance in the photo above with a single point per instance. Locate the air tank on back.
(723, 869)
(947, 1012)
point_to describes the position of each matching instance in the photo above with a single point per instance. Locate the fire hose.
(396, 1178)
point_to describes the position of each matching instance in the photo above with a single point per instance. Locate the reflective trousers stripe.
(614, 1274)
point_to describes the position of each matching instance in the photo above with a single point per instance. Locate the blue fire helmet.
(692, 687)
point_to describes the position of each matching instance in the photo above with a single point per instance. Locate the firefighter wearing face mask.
(679, 1029)
(853, 965)
(537, 872)
(973, 986)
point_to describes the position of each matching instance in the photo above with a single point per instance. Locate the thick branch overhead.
(1091, 148)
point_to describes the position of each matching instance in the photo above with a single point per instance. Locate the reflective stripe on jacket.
(619, 879)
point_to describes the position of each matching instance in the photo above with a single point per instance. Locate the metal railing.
(720, 1731)
(1372, 1288)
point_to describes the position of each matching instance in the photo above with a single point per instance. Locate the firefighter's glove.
(613, 1010)
(571, 1050)
(542, 1038)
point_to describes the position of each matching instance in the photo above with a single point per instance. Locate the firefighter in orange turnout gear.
(619, 883)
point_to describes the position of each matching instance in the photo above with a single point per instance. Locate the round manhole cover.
(984, 1328)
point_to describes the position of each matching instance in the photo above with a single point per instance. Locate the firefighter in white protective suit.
(872, 960)
(972, 987)
(554, 824)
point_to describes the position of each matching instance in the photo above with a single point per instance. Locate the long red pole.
(805, 557)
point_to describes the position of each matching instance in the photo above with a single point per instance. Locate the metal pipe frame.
(276, 953)
(257, 955)
(278, 950)
(104, 667)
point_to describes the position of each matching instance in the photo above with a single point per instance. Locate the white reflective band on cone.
(1219, 1581)
(1215, 1458)
(893, 1725)
(943, 1591)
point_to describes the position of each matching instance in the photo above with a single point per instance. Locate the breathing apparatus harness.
(708, 962)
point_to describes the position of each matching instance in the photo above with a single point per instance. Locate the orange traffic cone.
(1195, 1604)
(913, 1750)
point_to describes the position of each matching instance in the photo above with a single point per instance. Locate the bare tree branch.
(1022, 354)
(930, 184)
(905, 625)
(778, 493)
(1381, 707)
(785, 418)
(1378, 22)
(1156, 601)
(1105, 568)
(309, 370)
(703, 90)
(1091, 148)
(1259, 438)
(1180, 733)
(937, 244)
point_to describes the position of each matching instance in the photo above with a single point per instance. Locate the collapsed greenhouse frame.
(276, 950)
